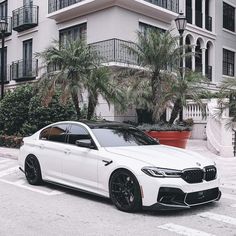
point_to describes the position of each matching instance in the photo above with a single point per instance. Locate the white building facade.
(108, 24)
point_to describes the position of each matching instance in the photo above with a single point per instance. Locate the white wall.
(225, 39)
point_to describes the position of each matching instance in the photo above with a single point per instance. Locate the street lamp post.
(181, 23)
(3, 29)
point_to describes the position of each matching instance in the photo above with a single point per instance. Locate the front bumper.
(174, 199)
(175, 193)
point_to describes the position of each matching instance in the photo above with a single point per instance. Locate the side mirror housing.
(86, 143)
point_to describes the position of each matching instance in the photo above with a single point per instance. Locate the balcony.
(208, 23)
(25, 18)
(55, 5)
(198, 19)
(114, 51)
(9, 27)
(189, 15)
(62, 10)
(209, 72)
(172, 5)
(24, 70)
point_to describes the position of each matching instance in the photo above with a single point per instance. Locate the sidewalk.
(11, 153)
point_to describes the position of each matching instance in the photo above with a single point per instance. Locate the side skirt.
(74, 188)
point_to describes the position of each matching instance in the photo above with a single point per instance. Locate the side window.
(44, 135)
(58, 133)
(77, 132)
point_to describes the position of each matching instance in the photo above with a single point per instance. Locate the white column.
(203, 14)
(193, 57)
(203, 61)
(193, 11)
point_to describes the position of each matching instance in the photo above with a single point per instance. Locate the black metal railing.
(24, 69)
(55, 5)
(172, 5)
(9, 26)
(198, 16)
(115, 50)
(208, 23)
(25, 17)
(189, 15)
(209, 72)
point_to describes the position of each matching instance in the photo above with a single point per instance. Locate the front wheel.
(125, 191)
(32, 170)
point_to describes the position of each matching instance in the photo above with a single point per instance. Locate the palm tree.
(188, 86)
(100, 82)
(227, 101)
(158, 53)
(73, 61)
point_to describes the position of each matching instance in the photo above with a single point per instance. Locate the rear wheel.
(32, 170)
(125, 191)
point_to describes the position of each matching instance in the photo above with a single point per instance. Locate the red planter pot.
(171, 138)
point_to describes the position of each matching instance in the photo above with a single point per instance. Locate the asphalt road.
(49, 210)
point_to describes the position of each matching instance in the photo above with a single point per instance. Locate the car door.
(80, 163)
(52, 149)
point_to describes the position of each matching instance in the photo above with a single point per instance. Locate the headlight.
(161, 172)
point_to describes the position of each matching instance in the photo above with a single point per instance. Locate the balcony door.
(28, 11)
(3, 10)
(27, 58)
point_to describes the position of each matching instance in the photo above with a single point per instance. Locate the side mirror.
(86, 143)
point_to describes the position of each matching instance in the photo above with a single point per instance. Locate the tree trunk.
(175, 112)
(157, 97)
(92, 102)
(75, 100)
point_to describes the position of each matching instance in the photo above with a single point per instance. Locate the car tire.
(125, 191)
(33, 170)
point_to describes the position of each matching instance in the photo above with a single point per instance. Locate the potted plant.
(173, 135)
(160, 83)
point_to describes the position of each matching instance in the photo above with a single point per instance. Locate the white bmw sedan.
(120, 162)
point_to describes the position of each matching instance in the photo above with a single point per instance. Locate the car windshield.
(122, 136)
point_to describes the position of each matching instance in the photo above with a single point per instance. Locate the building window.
(228, 62)
(3, 10)
(73, 33)
(228, 17)
(143, 28)
(27, 57)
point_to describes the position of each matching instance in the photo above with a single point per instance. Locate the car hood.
(163, 156)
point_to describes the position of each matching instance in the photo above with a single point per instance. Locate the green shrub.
(14, 109)
(166, 127)
(22, 112)
(10, 141)
(40, 115)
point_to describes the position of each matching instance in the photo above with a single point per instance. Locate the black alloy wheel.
(125, 191)
(32, 170)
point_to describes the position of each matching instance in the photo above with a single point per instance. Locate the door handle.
(107, 162)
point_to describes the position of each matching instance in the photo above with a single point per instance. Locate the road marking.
(9, 171)
(183, 230)
(20, 183)
(229, 196)
(217, 217)
(5, 161)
